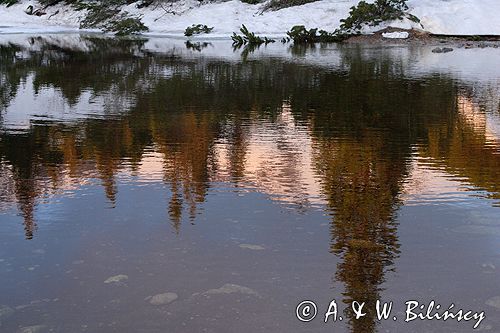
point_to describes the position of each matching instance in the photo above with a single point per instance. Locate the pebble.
(32, 329)
(162, 299)
(230, 288)
(252, 247)
(116, 278)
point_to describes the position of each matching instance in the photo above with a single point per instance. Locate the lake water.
(244, 182)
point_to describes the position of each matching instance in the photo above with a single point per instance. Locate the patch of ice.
(396, 35)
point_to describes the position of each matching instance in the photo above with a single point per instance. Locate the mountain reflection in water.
(357, 140)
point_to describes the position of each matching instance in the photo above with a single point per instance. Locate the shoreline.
(456, 18)
(376, 38)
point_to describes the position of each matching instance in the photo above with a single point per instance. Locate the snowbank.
(458, 17)
(454, 17)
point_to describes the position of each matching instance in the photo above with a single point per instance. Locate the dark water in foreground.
(244, 182)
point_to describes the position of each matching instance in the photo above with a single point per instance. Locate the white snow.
(456, 17)
(13, 19)
(396, 35)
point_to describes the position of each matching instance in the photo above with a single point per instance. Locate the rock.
(30, 10)
(116, 279)
(252, 247)
(442, 50)
(162, 299)
(229, 288)
(32, 329)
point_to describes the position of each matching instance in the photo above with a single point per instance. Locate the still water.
(235, 184)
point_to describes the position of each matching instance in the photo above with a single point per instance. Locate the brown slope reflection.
(298, 133)
(362, 186)
(362, 149)
(363, 165)
(186, 144)
(466, 147)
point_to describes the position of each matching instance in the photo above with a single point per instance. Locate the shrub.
(97, 15)
(249, 38)
(375, 13)
(300, 35)
(144, 3)
(126, 26)
(108, 16)
(197, 46)
(197, 29)
(280, 4)
(360, 15)
(252, 2)
(8, 3)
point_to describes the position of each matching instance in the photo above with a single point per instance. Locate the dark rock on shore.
(442, 50)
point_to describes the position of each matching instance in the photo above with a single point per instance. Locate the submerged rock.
(252, 247)
(494, 302)
(32, 329)
(116, 278)
(162, 299)
(488, 268)
(442, 50)
(230, 288)
(5, 312)
(484, 327)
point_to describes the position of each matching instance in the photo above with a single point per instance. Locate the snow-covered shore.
(448, 17)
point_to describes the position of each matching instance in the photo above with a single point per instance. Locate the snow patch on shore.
(396, 35)
(455, 17)
(458, 17)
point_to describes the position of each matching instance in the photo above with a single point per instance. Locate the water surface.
(244, 181)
